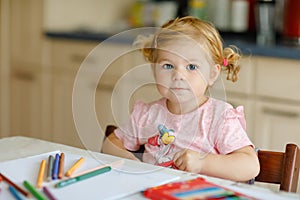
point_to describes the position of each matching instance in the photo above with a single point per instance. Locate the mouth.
(178, 89)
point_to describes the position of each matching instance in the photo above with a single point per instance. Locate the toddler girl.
(186, 129)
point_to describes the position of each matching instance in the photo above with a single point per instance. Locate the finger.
(177, 155)
(177, 161)
(181, 165)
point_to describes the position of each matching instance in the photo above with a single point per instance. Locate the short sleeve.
(128, 133)
(232, 133)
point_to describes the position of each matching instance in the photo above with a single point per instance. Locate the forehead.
(187, 49)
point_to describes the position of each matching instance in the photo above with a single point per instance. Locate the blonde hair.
(201, 31)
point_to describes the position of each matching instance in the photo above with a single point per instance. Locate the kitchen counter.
(245, 42)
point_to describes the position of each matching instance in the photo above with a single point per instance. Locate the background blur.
(43, 43)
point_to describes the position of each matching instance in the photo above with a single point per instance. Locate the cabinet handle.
(25, 76)
(282, 113)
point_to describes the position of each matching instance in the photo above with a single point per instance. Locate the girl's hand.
(189, 160)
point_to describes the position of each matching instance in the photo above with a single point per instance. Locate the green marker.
(34, 191)
(82, 177)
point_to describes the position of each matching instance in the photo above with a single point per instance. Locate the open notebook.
(126, 180)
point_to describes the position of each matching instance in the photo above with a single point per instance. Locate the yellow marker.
(41, 174)
(75, 166)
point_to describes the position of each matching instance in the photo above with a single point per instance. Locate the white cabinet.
(28, 100)
(25, 102)
(277, 87)
(268, 88)
(276, 124)
(68, 57)
(278, 78)
(26, 32)
(63, 128)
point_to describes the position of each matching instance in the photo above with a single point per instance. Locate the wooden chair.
(280, 167)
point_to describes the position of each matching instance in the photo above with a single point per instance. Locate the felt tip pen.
(82, 177)
(7, 180)
(74, 167)
(48, 193)
(14, 192)
(55, 167)
(50, 167)
(40, 178)
(61, 165)
(34, 191)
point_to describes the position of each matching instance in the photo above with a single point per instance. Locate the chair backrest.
(280, 167)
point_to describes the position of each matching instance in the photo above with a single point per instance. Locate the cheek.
(162, 79)
(198, 85)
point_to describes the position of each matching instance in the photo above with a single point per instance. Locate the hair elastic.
(225, 62)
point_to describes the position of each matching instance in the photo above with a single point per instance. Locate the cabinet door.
(25, 44)
(275, 125)
(113, 92)
(278, 78)
(66, 57)
(26, 35)
(63, 130)
(25, 103)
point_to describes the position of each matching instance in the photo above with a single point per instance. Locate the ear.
(214, 74)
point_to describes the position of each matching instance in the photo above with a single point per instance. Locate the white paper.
(115, 184)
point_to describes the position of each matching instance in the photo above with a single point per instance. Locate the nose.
(178, 74)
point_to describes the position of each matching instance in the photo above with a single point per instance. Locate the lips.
(178, 88)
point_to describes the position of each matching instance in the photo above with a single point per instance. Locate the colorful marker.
(82, 177)
(25, 193)
(75, 166)
(55, 167)
(113, 165)
(61, 166)
(33, 191)
(40, 178)
(48, 193)
(14, 192)
(50, 168)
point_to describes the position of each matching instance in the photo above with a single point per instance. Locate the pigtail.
(230, 64)
(145, 44)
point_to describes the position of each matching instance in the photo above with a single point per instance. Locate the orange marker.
(41, 174)
(61, 166)
(75, 166)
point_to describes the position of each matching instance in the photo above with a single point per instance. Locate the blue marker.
(55, 167)
(14, 192)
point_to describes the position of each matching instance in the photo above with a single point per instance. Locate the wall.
(92, 15)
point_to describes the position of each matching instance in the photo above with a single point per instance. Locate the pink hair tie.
(225, 62)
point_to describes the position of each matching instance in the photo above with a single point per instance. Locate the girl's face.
(182, 73)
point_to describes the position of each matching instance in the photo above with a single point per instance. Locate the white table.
(20, 147)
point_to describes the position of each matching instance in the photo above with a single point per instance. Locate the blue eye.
(167, 66)
(192, 67)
